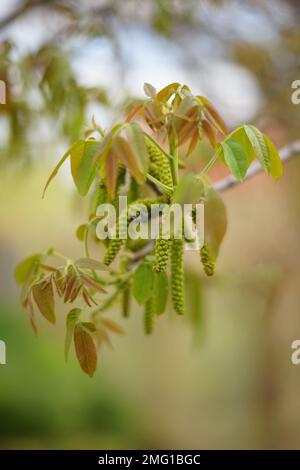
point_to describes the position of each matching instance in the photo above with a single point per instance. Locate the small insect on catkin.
(177, 277)
(160, 166)
(207, 262)
(149, 317)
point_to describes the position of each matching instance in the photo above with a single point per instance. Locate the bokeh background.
(225, 379)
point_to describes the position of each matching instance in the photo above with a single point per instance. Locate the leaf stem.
(158, 183)
(174, 161)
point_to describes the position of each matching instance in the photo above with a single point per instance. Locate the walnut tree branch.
(286, 153)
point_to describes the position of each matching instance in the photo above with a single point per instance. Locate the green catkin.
(177, 277)
(115, 244)
(207, 262)
(161, 254)
(126, 301)
(100, 196)
(159, 166)
(161, 251)
(149, 317)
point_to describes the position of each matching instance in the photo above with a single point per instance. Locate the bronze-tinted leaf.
(72, 282)
(193, 142)
(89, 263)
(209, 132)
(85, 350)
(133, 111)
(112, 326)
(136, 139)
(111, 172)
(92, 284)
(213, 115)
(60, 282)
(71, 320)
(127, 156)
(44, 298)
(89, 300)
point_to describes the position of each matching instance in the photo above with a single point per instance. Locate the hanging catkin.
(207, 262)
(115, 244)
(126, 300)
(159, 166)
(162, 247)
(100, 196)
(161, 254)
(177, 276)
(149, 317)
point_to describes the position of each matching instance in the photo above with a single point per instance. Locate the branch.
(286, 153)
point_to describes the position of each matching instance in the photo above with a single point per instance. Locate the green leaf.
(88, 166)
(215, 221)
(27, 267)
(235, 158)
(44, 298)
(276, 164)
(136, 137)
(85, 350)
(143, 279)
(81, 232)
(62, 160)
(189, 190)
(71, 320)
(259, 146)
(240, 136)
(165, 93)
(160, 292)
(75, 158)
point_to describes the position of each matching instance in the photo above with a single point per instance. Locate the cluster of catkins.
(164, 248)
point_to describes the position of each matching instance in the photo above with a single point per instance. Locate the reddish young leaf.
(112, 326)
(85, 350)
(213, 115)
(128, 157)
(44, 298)
(72, 319)
(111, 173)
(209, 132)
